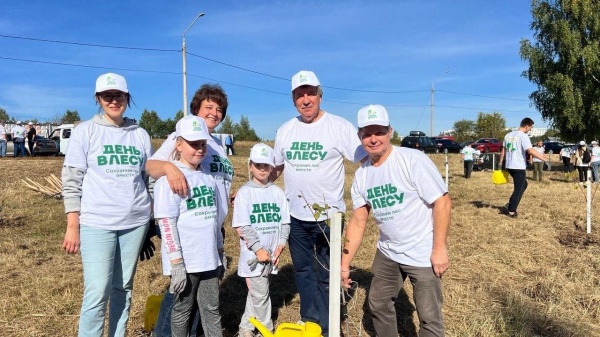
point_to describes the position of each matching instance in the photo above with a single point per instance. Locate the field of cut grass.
(536, 275)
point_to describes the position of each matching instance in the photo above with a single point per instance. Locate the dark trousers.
(163, 322)
(567, 164)
(388, 278)
(230, 147)
(30, 145)
(468, 164)
(310, 256)
(520, 185)
(582, 170)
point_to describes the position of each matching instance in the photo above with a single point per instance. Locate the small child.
(191, 233)
(261, 218)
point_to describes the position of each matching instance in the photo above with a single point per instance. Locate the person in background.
(538, 164)
(466, 154)
(191, 233)
(31, 137)
(411, 206)
(209, 103)
(582, 159)
(595, 161)
(514, 152)
(229, 145)
(18, 138)
(262, 219)
(310, 151)
(565, 155)
(108, 206)
(2, 140)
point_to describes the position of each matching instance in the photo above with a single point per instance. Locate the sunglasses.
(110, 97)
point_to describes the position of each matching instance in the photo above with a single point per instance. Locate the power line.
(225, 82)
(87, 44)
(495, 97)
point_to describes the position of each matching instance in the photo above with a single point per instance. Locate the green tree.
(226, 126)
(395, 138)
(70, 117)
(4, 115)
(464, 130)
(490, 125)
(564, 64)
(150, 121)
(243, 131)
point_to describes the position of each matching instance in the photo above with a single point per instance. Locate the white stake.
(446, 171)
(588, 207)
(335, 274)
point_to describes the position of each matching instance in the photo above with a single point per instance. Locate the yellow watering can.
(151, 311)
(308, 329)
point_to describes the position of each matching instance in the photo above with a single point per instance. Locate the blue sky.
(364, 52)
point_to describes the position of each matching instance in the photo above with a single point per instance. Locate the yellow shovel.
(308, 329)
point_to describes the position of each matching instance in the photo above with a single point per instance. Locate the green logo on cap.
(196, 126)
(371, 114)
(303, 78)
(110, 81)
(264, 152)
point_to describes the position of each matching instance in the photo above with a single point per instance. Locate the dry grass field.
(536, 275)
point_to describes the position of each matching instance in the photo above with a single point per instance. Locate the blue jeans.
(595, 165)
(310, 256)
(19, 149)
(520, 185)
(109, 262)
(2, 148)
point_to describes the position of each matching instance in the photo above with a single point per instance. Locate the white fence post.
(588, 203)
(335, 275)
(446, 171)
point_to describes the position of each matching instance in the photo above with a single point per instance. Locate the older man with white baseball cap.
(310, 150)
(411, 207)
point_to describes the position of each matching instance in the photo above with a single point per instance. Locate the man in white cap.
(411, 207)
(310, 151)
(18, 137)
(30, 137)
(515, 147)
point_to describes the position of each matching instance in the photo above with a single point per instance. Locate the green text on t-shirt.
(306, 151)
(221, 164)
(384, 196)
(202, 196)
(265, 212)
(120, 155)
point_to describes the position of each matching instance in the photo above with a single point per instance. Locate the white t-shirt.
(215, 163)
(539, 150)
(2, 133)
(595, 153)
(265, 209)
(468, 152)
(565, 152)
(113, 193)
(18, 131)
(516, 144)
(313, 158)
(401, 192)
(199, 220)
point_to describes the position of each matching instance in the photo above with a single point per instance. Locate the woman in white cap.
(582, 161)
(107, 205)
(262, 220)
(191, 233)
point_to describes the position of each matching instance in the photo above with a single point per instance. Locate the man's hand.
(439, 262)
(178, 278)
(176, 180)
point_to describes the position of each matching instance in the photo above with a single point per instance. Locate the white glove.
(178, 278)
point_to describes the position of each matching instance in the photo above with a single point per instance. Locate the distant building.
(535, 132)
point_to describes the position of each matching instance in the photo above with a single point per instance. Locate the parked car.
(487, 145)
(463, 144)
(61, 135)
(418, 140)
(448, 145)
(553, 147)
(41, 146)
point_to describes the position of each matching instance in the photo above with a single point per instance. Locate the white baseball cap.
(111, 81)
(19, 123)
(262, 154)
(582, 143)
(594, 142)
(30, 123)
(192, 128)
(304, 77)
(373, 114)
